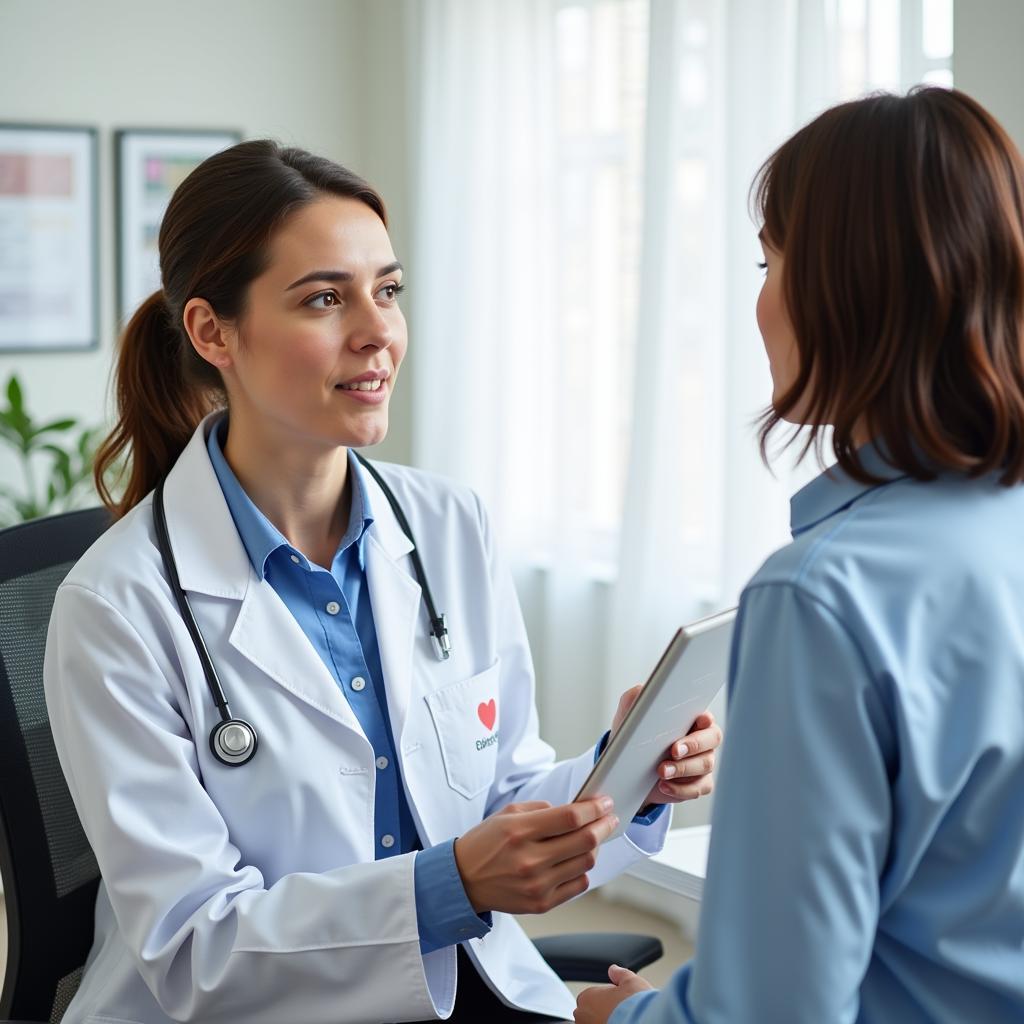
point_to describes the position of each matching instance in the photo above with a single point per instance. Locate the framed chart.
(49, 251)
(149, 165)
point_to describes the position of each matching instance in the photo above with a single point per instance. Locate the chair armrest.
(586, 956)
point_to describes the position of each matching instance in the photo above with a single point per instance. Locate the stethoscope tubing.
(233, 741)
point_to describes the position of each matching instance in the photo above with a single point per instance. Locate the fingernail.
(670, 770)
(606, 803)
(615, 823)
(681, 750)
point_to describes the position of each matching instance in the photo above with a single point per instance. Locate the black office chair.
(48, 869)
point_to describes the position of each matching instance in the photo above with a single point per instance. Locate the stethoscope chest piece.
(233, 742)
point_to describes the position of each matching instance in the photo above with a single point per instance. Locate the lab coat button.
(387, 842)
(333, 607)
(382, 763)
(358, 683)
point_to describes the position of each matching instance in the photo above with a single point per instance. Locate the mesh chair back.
(48, 869)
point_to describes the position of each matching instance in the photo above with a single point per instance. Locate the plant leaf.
(26, 509)
(14, 395)
(56, 425)
(8, 429)
(18, 426)
(15, 414)
(87, 444)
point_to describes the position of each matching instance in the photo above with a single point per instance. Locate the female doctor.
(304, 746)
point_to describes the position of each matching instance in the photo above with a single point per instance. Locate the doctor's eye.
(762, 266)
(391, 291)
(333, 295)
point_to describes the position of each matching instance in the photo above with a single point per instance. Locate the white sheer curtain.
(583, 287)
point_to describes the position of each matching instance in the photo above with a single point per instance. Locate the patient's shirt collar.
(834, 491)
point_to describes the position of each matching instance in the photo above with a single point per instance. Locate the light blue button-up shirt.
(867, 852)
(333, 608)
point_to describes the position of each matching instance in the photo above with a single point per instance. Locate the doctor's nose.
(370, 327)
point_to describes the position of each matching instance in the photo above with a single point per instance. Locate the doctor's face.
(319, 346)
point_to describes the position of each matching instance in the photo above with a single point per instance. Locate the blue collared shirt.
(333, 608)
(867, 852)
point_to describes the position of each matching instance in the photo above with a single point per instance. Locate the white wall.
(322, 74)
(988, 58)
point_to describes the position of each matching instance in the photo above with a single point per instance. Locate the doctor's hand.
(595, 1005)
(530, 857)
(686, 773)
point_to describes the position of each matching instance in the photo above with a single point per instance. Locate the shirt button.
(387, 842)
(295, 559)
(358, 683)
(382, 763)
(333, 607)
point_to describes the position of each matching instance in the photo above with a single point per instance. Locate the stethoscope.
(233, 741)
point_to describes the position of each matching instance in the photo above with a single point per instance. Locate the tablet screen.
(689, 674)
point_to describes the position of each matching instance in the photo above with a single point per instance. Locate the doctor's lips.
(370, 387)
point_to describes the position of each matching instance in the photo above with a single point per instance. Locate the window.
(586, 399)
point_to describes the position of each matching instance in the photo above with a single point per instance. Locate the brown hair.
(901, 224)
(213, 243)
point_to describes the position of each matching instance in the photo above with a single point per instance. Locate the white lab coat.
(251, 894)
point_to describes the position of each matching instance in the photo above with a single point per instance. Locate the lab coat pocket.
(466, 717)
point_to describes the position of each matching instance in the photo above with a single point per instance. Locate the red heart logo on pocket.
(488, 713)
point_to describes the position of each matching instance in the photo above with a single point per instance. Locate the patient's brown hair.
(901, 224)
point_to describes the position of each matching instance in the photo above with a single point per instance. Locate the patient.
(867, 859)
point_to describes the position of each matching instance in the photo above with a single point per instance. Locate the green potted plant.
(56, 461)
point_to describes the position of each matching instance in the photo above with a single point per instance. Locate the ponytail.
(163, 389)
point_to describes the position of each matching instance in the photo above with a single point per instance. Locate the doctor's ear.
(211, 337)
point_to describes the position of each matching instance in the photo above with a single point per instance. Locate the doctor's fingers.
(526, 805)
(688, 767)
(568, 818)
(679, 792)
(699, 741)
(583, 841)
(545, 898)
(548, 885)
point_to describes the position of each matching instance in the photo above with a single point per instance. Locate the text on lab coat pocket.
(467, 717)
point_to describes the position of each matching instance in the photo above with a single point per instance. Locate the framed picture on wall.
(49, 290)
(149, 164)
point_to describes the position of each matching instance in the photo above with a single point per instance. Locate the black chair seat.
(587, 956)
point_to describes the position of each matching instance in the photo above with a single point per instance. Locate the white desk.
(672, 882)
(681, 866)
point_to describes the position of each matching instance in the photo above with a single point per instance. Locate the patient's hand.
(687, 771)
(595, 1005)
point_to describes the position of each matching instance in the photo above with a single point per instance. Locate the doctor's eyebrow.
(340, 275)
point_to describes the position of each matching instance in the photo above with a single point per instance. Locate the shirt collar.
(259, 535)
(834, 490)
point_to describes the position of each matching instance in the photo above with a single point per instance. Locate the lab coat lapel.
(267, 634)
(212, 560)
(395, 597)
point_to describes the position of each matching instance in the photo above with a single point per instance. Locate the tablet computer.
(684, 682)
